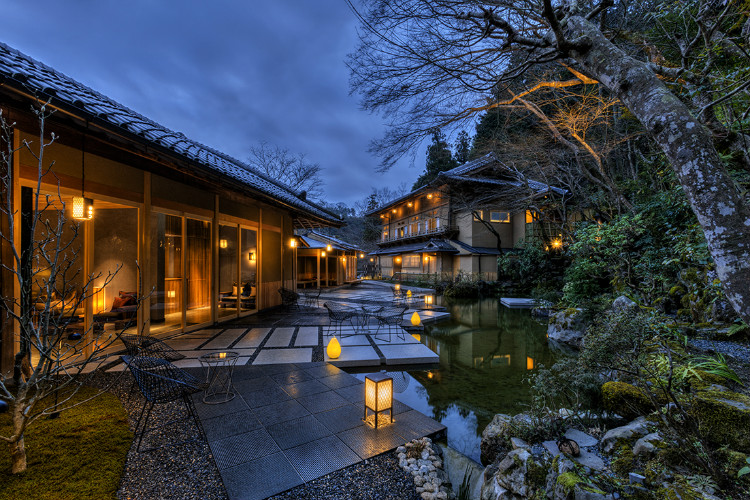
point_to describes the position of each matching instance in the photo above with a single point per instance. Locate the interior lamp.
(83, 208)
(251, 256)
(322, 254)
(293, 243)
(428, 300)
(334, 348)
(361, 256)
(343, 259)
(378, 396)
(415, 319)
(223, 243)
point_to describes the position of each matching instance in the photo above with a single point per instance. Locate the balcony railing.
(420, 233)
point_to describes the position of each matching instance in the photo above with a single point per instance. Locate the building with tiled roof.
(209, 234)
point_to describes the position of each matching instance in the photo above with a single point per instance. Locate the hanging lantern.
(83, 208)
(378, 395)
(293, 243)
(223, 243)
(329, 247)
(415, 319)
(334, 348)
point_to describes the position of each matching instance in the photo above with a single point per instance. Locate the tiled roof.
(434, 245)
(314, 239)
(20, 71)
(475, 250)
(537, 186)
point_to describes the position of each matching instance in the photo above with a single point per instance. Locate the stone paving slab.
(355, 356)
(271, 438)
(253, 338)
(307, 336)
(275, 356)
(408, 354)
(281, 337)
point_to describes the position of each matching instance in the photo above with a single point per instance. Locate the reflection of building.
(323, 260)
(459, 222)
(208, 231)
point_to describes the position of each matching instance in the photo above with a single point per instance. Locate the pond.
(486, 350)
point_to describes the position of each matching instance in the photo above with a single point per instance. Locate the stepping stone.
(223, 341)
(586, 458)
(408, 354)
(275, 356)
(581, 438)
(356, 356)
(253, 338)
(280, 337)
(307, 336)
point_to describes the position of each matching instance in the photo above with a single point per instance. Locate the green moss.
(536, 474)
(623, 461)
(626, 400)
(724, 417)
(81, 454)
(732, 461)
(568, 480)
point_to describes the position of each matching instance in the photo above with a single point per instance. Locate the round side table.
(219, 367)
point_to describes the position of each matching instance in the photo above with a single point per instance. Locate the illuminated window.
(499, 217)
(478, 215)
(411, 261)
(530, 216)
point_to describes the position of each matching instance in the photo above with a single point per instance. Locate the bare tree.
(292, 169)
(46, 266)
(434, 63)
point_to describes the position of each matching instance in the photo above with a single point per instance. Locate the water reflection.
(485, 352)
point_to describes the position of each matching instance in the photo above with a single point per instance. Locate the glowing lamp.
(429, 196)
(428, 299)
(293, 243)
(223, 243)
(398, 260)
(378, 396)
(361, 256)
(343, 259)
(334, 348)
(529, 363)
(409, 204)
(372, 260)
(408, 293)
(252, 256)
(415, 319)
(99, 300)
(394, 210)
(556, 243)
(83, 208)
(329, 247)
(417, 337)
(322, 254)
(397, 286)
(171, 294)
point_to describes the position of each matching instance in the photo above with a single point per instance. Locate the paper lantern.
(334, 348)
(378, 396)
(83, 208)
(415, 319)
(408, 293)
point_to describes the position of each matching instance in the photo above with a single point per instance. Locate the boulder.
(724, 417)
(567, 327)
(517, 475)
(722, 311)
(629, 432)
(647, 444)
(625, 399)
(622, 304)
(496, 436)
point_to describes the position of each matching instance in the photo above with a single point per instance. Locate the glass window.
(499, 217)
(530, 216)
(248, 270)
(198, 271)
(478, 215)
(228, 265)
(166, 270)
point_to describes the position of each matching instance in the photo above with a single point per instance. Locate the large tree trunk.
(721, 211)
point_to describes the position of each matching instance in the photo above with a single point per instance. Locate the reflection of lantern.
(417, 337)
(529, 363)
(415, 319)
(428, 300)
(378, 395)
(334, 348)
(397, 286)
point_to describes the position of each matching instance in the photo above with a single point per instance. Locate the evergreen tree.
(439, 159)
(462, 148)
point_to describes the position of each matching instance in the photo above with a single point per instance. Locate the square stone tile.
(230, 424)
(356, 356)
(260, 478)
(406, 354)
(352, 340)
(205, 411)
(323, 401)
(253, 338)
(298, 431)
(280, 412)
(272, 369)
(247, 373)
(318, 458)
(292, 377)
(413, 424)
(222, 342)
(266, 396)
(340, 380)
(341, 418)
(241, 448)
(281, 337)
(323, 370)
(353, 393)
(305, 388)
(276, 356)
(367, 442)
(306, 336)
(244, 386)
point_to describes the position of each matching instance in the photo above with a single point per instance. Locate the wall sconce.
(361, 256)
(382, 216)
(409, 204)
(293, 243)
(398, 260)
(251, 256)
(372, 260)
(415, 319)
(397, 286)
(322, 254)
(171, 294)
(378, 396)
(334, 348)
(426, 259)
(223, 243)
(429, 196)
(83, 208)
(394, 210)
(329, 248)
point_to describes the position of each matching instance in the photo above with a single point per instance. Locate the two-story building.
(461, 221)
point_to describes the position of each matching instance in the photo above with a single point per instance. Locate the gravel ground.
(187, 471)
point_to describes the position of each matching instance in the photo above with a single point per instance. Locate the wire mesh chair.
(312, 298)
(144, 345)
(161, 382)
(289, 298)
(391, 318)
(337, 314)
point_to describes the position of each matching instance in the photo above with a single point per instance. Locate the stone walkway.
(293, 423)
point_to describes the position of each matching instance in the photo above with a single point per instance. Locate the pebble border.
(430, 479)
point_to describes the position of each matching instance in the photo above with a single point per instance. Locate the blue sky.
(226, 73)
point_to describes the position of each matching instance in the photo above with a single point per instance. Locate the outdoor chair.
(391, 318)
(337, 314)
(144, 345)
(161, 382)
(398, 295)
(312, 298)
(289, 298)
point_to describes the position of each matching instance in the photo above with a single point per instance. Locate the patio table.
(365, 313)
(219, 369)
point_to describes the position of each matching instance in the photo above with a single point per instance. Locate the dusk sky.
(226, 73)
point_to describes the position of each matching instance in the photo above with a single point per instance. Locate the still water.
(486, 350)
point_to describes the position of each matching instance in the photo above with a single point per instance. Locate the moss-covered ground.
(79, 455)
